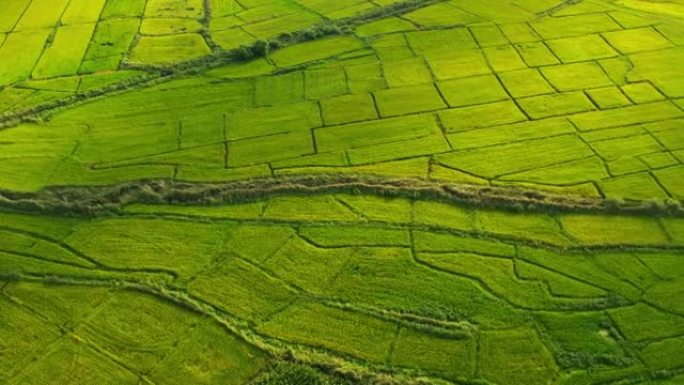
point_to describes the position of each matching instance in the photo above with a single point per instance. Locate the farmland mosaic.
(348, 192)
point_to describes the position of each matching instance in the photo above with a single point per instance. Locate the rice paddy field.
(348, 192)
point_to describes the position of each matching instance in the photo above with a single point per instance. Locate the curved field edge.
(432, 246)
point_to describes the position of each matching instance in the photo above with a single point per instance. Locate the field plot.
(349, 192)
(371, 288)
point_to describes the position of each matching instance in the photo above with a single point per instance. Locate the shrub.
(244, 53)
(260, 48)
(283, 373)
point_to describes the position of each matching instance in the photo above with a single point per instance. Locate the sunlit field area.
(341, 192)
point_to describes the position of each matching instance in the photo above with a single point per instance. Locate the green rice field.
(341, 192)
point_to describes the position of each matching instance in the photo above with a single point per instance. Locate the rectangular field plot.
(545, 106)
(472, 91)
(458, 64)
(452, 357)
(488, 36)
(443, 215)
(123, 8)
(641, 93)
(444, 242)
(139, 328)
(485, 115)
(444, 41)
(355, 334)
(631, 319)
(272, 90)
(323, 83)
(583, 48)
(559, 284)
(328, 8)
(504, 58)
(316, 50)
(521, 225)
(170, 8)
(620, 147)
(232, 38)
(406, 72)
(516, 357)
(316, 207)
(83, 11)
(609, 97)
(243, 290)
(66, 306)
(332, 236)
(496, 273)
(63, 84)
(635, 40)
(380, 209)
(168, 26)
(612, 230)
(558, 27)
(393, 50)
(665, 354)
(580, 338)
(106, 144)
(658, 160)
(637, 186)
(536, 54)
(88, 367)
(111, 40)
(388, 25)
(375, 132)
(428, 145)
(408, 100)
(438, 15)
(651, 112)
(64, 56)
(171, 48)
(389, 278)
(504, 12)
(579, 171)
(313, 269)
(11, 12)
(9, 97)
(262, 121)
(576, 76)
(41, 14)
(511, 133)
(20, 52)
(365, 77)
(671, 179)
(259, 11)
(221, 355)
(527, 82)
(158, 244)
(519, 33)
(348, 109)
(269, 148)
(509, 158)
(22, 334)
(272, 27)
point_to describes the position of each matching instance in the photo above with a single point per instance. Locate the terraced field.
(341, 192)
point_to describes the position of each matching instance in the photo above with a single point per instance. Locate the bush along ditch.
(97, 200)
